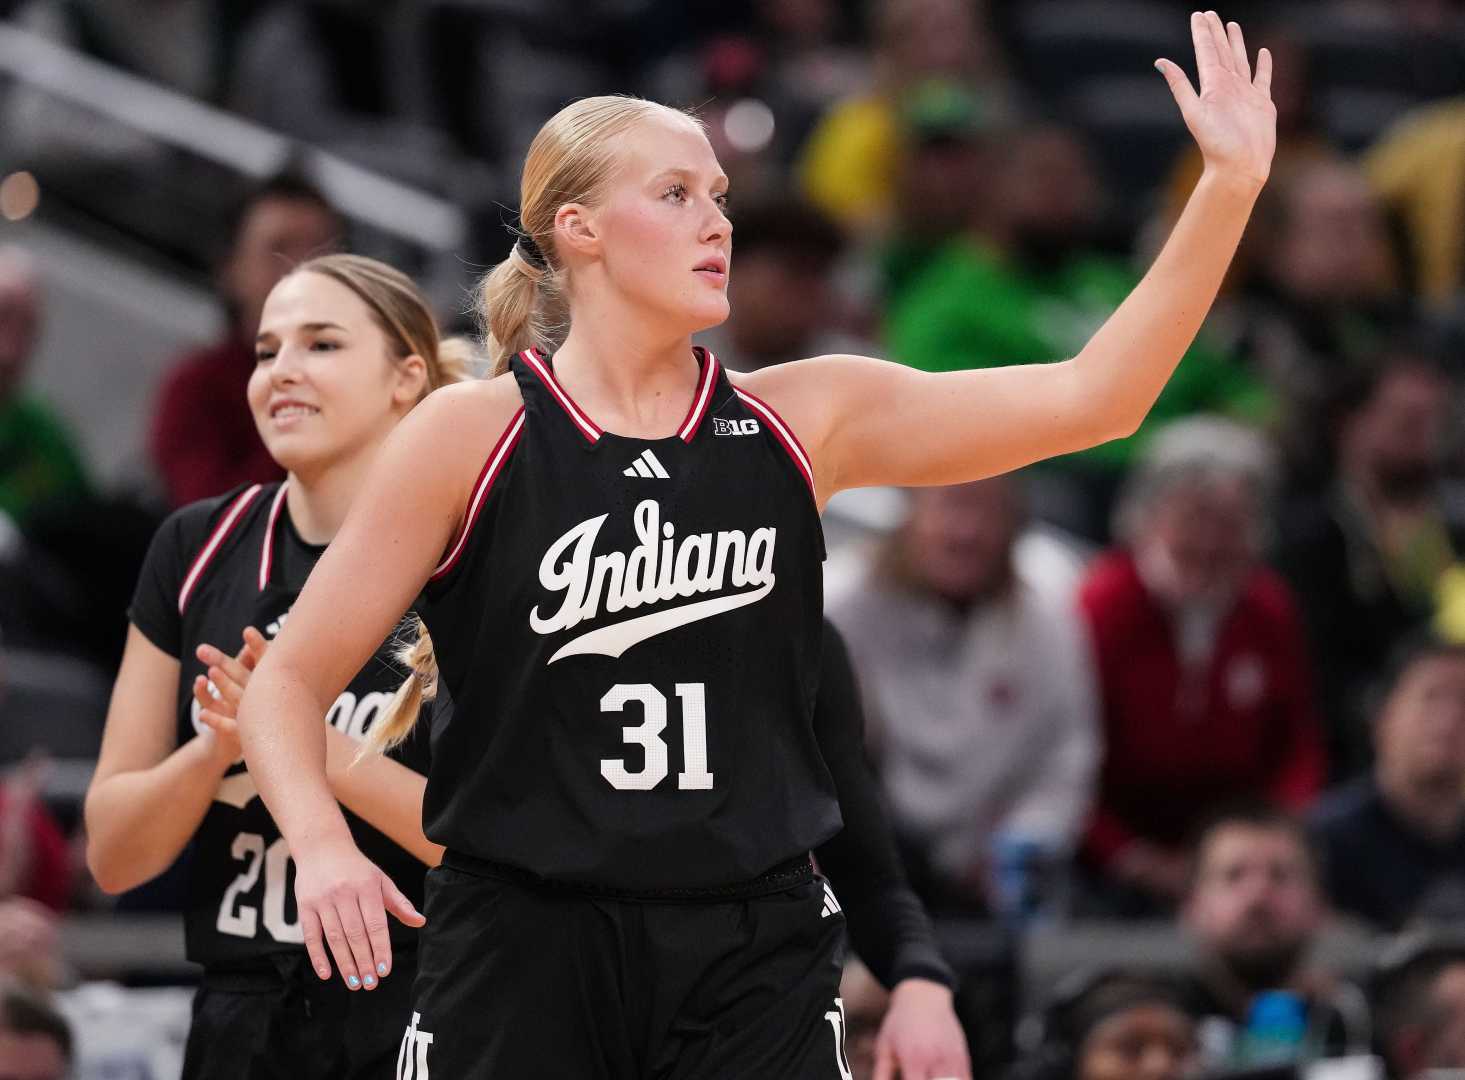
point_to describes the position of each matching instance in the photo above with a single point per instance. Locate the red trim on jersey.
(702, 399)
(221, 530)
(584, 423)
(783, 433)
(491, 468)
(267, 555)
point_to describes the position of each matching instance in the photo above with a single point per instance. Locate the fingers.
(1222, 43)
(398, 906)
(338, 941)
(206, 693)
(1263, 81)
(225, 672)
(1241, 64)
(374, 920)
(224, 726)
(255, 645)
(1179, 82)
(1207, 57)
(354, 920)
(315, 944)
(884, 1060)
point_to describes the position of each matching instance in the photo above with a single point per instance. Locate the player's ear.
(575, 229)
(411, 381)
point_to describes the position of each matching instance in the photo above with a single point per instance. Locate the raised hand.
(1232, 119)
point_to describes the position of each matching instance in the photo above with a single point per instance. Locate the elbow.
(110, 873)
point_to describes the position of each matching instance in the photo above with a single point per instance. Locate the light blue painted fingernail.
(353, 982)
(371, 980)
(381, 969)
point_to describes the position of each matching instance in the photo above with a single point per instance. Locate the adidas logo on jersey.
(734, 427)
(660, 567)
(646, 466)
(831, 905)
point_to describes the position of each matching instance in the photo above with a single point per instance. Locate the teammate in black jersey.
(346, 348)
(618, 554)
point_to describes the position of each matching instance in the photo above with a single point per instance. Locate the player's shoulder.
(190, 527)
(471, 412)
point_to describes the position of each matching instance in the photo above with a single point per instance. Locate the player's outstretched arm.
(398, 527)
(868, 422)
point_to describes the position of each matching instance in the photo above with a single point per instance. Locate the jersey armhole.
(492, 467)
(785, 436)
(216, 539)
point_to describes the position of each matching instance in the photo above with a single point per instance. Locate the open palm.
(1232, 118)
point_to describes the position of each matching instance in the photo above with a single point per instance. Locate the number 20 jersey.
(630, 633)
(215, 567)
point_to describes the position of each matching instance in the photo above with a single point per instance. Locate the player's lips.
(289, 411)
(715, 268)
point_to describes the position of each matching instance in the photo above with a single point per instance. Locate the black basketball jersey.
(630, 633)
(214, 568)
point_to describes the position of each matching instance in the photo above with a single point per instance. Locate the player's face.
(325, 386)
(665, 239)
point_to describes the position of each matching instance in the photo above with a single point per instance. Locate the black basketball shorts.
(519, 980)
(288, 1024)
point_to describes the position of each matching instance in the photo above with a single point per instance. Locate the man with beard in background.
(1254, 911)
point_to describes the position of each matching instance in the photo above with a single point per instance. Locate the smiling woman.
(555, 791)
(346, 348)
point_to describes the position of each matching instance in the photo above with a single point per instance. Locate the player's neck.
(318, 500)
(631, 381)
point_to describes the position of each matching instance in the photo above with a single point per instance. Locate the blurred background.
(1173, 728)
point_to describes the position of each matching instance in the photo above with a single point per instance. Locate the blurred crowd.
(1210, 676)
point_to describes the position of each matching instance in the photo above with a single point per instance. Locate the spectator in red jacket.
(203, 439)
(1201, 662)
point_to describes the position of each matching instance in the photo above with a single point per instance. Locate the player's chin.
(708, 312)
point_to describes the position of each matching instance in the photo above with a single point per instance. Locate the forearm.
(284, 737)
(139, 822)
(1126, 364)
(384, 793)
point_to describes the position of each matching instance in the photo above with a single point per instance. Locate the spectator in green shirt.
(38, 462)
(1032, 287)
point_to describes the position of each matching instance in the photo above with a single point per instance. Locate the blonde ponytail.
(512, 303)
(456, 359)
(400, 716)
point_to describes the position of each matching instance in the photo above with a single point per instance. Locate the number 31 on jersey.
(647, 734)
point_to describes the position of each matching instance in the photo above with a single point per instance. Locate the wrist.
(1231, 182)
(926, 989)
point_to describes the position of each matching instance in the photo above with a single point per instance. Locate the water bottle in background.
(1276, 1029)
(1029, 880)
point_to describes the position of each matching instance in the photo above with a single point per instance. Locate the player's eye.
(724, 203)
(262, 354)
(324, 346)
(676, 192)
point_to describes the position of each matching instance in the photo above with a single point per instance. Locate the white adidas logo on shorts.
(831, 905)
(647, 466)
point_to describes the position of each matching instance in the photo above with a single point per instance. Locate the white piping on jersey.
(491, 468)
(266, 556)
(783, 433)
(647, 466)
(658, 568)
(215, 539)
(699, 402)
(583, 422)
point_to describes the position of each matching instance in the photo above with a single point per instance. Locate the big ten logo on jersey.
(412, 1056)
(734, 427)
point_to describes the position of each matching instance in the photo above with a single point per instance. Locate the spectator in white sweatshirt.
(977, 672)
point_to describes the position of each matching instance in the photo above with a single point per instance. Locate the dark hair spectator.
(1206, 693)
(1367, 555)
(1419, 1006)
(1395, 839)
(1255, 909)
(1120, 1024)
(203, 440)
